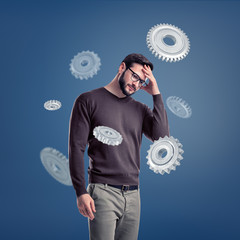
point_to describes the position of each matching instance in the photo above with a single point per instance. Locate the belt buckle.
(125, 186)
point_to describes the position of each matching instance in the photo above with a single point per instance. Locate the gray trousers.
(117, 213)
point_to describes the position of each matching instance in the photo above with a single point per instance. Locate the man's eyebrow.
(139, 77)
(143, 79)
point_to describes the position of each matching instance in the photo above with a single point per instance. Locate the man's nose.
(135, 84)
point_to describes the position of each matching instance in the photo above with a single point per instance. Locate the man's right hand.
(86, 205)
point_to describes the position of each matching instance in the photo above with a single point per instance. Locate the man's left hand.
(152, 87)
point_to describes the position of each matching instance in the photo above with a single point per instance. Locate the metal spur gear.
(179, 107)
(164, 155)
(85, 64)
(107, 135)
(56, 164)
(158, 42)
(52, 105)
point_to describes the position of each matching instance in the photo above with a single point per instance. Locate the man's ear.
(122, 67)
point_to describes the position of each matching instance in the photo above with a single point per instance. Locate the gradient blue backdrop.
(200, 200)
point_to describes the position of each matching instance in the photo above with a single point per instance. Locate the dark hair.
(136, 58)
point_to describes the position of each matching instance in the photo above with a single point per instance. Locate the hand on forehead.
(138, 69)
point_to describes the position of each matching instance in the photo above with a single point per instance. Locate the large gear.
(85, 64)
(164, 155)
(179, 107)
(107, 135)
(156, 42)
(52, 105)
(56, 164)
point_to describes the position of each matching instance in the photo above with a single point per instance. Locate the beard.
(122, 84)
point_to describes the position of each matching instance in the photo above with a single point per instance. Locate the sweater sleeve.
(155, 123)
(78, 137)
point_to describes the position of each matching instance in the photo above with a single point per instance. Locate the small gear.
(85, 64)
(164, 155)
(157, 42)
(107, 135)
(56, 164)
(179, 107)
(52, 105)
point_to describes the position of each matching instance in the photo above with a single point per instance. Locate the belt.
(124, 187)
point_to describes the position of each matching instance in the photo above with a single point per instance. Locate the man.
(112, 199)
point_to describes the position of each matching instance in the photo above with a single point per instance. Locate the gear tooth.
(180, 145)
(167, 170)
(172, 138)
(181, 151)
(180, 157)
(173, 168)
(177, 163)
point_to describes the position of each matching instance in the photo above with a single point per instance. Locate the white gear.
(85, 64)
(179, 107)
(56, 164)
(107, 135)
(164, 164)
(52, 105)
(157, 45)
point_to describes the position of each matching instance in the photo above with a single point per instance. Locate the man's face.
(126, 84)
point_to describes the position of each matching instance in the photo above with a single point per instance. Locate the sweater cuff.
(158, 98)
(81, 191)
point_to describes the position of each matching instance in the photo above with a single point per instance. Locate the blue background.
(200, 200)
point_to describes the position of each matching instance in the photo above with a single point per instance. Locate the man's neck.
(114, 88)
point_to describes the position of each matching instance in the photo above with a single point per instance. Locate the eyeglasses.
(136, 78)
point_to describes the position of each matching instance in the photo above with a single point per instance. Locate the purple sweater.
(120, 164)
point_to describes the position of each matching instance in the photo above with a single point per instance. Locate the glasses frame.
(139, 79)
